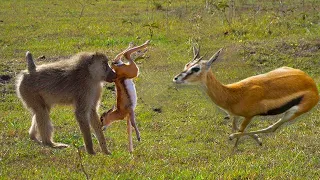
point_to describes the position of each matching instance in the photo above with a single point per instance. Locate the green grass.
(188, 139)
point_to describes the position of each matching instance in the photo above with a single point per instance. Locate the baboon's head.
(100, 69)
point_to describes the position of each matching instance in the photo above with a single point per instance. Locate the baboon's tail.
(31, 65)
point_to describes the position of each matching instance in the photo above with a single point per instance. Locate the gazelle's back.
(281, 80)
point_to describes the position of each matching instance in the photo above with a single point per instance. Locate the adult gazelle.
(283, 90)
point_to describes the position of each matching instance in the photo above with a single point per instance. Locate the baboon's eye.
(195, 69)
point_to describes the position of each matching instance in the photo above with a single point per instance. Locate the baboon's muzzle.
(111, 77)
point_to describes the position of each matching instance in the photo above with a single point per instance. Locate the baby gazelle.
(126, 92)
(284, 90)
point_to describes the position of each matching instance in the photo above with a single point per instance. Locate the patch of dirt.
(5, 78)
(298, 49)
(158, 110)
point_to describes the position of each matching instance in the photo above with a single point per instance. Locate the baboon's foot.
(59, 145)
(92, 152)
(56, 145)
(107, 152)
(34, 138)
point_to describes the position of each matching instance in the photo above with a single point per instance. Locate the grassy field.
(184, 136)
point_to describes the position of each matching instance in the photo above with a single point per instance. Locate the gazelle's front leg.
(235, 127)
(244, 124)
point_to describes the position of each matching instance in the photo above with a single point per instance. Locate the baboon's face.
(110, 74)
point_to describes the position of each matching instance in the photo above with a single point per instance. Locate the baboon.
(76, 81)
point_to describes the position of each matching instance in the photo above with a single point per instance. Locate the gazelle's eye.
(195, 69)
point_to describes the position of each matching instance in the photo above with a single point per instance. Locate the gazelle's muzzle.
(178, 79)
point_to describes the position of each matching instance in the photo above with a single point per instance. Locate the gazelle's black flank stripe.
(284, 107)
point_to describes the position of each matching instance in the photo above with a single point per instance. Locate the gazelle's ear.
(213, 58)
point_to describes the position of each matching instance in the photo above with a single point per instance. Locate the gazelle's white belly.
(131, 89)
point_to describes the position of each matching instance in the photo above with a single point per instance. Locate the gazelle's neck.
(216, 90)
(126, 93)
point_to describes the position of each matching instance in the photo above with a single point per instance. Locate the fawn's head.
(129, 70)
(124, 70)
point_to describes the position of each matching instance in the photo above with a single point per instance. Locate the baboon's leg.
(33, 131)
(133, 123)
(42, 122)
(82, 116)
(96, 125)
(129, 131)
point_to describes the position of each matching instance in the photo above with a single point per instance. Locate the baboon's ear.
(93, 55)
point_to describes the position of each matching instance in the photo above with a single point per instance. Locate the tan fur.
(124, 107)
(76, 81)
(255, 95)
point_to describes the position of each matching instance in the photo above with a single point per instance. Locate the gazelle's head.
(123, 70)
(195, 70)
(128, 70)
(106, 118)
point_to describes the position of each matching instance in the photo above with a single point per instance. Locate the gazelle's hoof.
(259, 141)
(234, 135)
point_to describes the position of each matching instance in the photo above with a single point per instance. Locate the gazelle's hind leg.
(129, 131)
(134, 124)
(291, 114)
(308, 102)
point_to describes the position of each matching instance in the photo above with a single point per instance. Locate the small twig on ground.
(81, 164)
